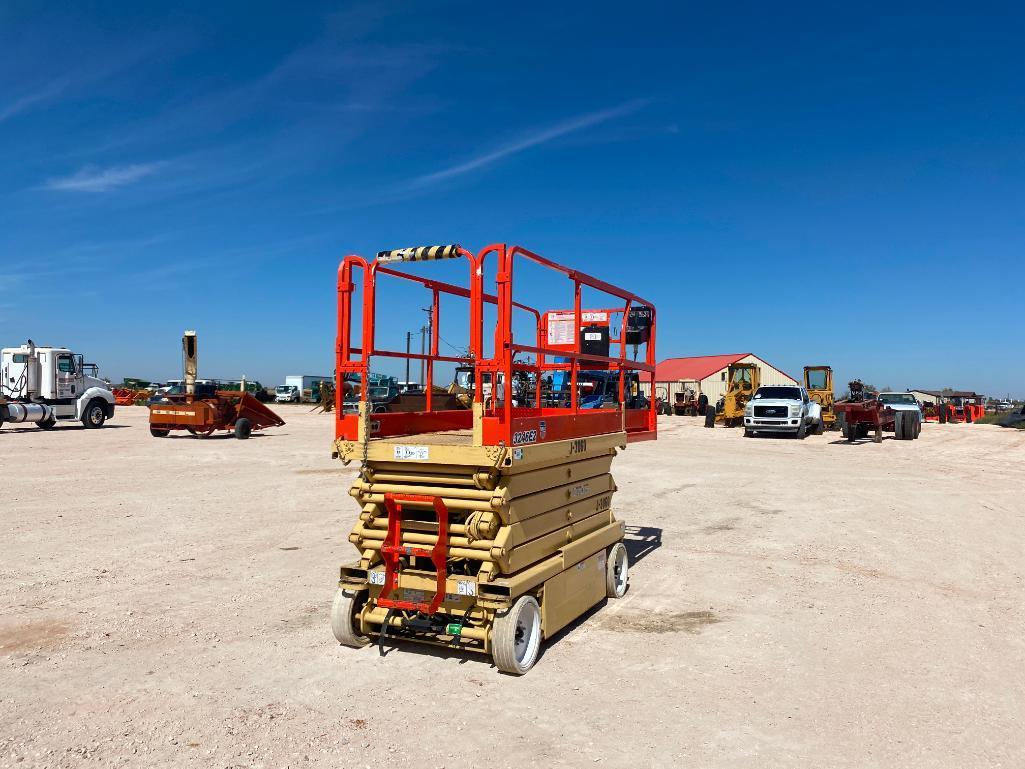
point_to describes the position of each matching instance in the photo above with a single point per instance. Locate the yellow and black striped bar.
(419, 253)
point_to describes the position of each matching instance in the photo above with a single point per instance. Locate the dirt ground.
(792, 604)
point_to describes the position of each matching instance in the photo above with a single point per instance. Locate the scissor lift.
(486, 528)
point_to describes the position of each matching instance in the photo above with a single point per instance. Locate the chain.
(366, 438)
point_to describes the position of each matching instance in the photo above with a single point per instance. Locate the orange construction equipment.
(224, 410)
(202, 410)
(124, 396)
(488, 525)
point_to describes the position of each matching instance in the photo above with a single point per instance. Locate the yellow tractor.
(742, 380)
(818, 381)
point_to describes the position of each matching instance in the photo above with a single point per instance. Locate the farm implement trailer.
(863, 413)
(203, 413)
(486, 528)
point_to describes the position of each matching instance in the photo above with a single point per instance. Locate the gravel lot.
(793, 604)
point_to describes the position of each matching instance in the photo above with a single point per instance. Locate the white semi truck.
(46, 385)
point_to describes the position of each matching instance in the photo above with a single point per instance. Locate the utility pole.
(426, 341)
(423, 347)
(409, 337)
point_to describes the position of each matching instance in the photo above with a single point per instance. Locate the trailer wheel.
(710, 416)
(617, 571)
(516, 637)
(346, 606)
(94, 415)
(158, 432)
(243, 429)
(201, 433)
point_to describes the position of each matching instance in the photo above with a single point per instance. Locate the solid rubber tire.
(503, 637)
(243, 429)
(343, 611)
(612, 588)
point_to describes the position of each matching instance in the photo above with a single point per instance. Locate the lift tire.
(344, 609)
(243, 429)
(47, 424)
(157, 432)
(710, 417)
(617, 571)
(94, 415)
(516, 636)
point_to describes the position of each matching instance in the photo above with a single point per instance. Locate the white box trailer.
(305, 384)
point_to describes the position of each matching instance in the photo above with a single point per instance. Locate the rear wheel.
(243, 429)
(516, 637)
(346, 606)
(617, 571)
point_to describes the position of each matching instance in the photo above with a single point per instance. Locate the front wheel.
(95, 415)
(516, 637)
(802, 430)
(749, 433)
(346, 606)
(243, 429)
(158, 432)
(617, 571)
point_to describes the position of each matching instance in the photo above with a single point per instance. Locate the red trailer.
(863, 413)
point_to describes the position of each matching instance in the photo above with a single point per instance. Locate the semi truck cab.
(45, 385)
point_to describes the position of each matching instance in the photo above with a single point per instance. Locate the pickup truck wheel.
(802, 430)
(749, 433)
(94, 415)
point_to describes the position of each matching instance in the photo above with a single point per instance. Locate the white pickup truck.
(782, 409)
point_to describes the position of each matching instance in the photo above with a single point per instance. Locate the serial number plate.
(375, 577)
(421, 453)
(466, 587)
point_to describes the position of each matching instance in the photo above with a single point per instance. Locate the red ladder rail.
(393, 550)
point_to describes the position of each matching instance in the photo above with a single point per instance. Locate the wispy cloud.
(94, 179)
(529, 142)
(47, 92)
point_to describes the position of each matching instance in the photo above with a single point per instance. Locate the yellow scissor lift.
(488, 528)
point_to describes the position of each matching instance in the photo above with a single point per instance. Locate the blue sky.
(810, 184)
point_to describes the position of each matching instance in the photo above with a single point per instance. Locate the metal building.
(707, 374)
